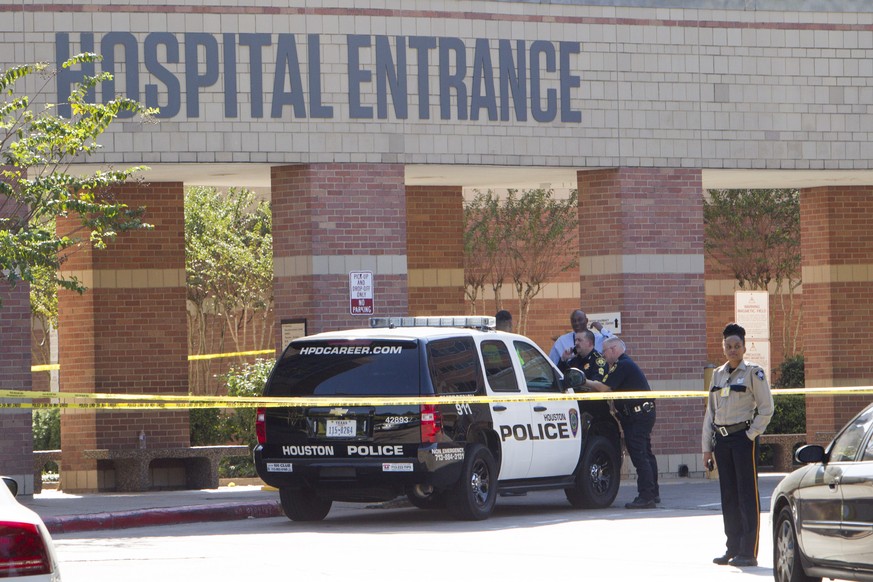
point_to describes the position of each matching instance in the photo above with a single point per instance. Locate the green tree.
(229, 264)
(756, 234)
(515, 238)
(541, 228)
(37, 146)
(485, 248)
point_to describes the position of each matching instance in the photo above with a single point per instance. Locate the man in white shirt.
(563, 348)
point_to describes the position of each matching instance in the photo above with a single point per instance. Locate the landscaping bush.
(237, 426)
(789, 415)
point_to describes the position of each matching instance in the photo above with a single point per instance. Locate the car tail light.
(431, 423)
(261, 425)
(22, 550)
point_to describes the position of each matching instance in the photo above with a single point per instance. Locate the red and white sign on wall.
(361, 293)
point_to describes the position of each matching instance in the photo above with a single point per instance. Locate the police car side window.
(454, 366)
(539, 375)
(498, 366)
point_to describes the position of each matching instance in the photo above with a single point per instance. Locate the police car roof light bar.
(476, 321)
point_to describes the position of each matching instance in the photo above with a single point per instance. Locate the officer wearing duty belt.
(738, 410)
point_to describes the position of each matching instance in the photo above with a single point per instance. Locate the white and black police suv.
(456, 456)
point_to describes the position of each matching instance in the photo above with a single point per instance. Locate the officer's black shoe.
(743, 561)
(657, 500)
(723, 560)
(640, 503)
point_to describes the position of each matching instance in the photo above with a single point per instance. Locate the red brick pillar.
(836, 242)
(126, 334)
(641, 245)
(330, 220)
(16, 444)
(435, 242)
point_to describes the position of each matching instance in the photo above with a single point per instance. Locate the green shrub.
(46, 429)
(789, 414)
(220, 427)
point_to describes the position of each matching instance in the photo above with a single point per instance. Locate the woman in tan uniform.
(738, 410)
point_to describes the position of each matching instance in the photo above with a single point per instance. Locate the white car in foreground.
(26, 550)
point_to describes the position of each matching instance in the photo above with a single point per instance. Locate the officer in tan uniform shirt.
(737, 412)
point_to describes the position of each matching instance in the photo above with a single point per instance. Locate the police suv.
(365, 444)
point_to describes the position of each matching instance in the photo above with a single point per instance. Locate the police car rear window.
(347, 368)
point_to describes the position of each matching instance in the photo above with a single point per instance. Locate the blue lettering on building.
(387, 77)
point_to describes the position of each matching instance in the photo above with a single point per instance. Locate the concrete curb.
(162, 516)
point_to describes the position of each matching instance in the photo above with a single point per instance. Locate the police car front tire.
(474, 495)
(303, 504)
(598, 476)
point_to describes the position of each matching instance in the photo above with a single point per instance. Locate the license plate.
(340, 428)
(280, 467)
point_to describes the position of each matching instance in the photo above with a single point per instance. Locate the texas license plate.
(340, 428)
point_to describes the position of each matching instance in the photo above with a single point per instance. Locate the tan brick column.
(126, 334)
(435, 242)
(836, 241)
(330, 220)
(641, 241)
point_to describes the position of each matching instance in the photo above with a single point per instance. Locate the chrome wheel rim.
(785, 548)
(480, 483)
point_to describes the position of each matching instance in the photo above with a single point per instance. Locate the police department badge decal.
(574, 421)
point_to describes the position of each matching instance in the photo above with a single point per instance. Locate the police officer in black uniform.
(585, 357)
(637, 418)
(593, 365)
(738, 410)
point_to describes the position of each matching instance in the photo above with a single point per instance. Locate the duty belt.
(727, 429)
(644, 407)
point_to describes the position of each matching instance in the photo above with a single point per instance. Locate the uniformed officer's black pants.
(637, 428)
(740, 502)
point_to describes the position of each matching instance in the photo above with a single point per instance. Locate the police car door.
(554, 427)
(509, 418)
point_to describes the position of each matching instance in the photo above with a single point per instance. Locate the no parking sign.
(361, 293)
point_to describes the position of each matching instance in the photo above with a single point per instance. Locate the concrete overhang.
(257, 176)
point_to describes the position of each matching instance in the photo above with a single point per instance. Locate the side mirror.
(810, 454)
(12, 484)
(574, 378)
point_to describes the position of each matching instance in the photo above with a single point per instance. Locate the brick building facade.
(366, 124)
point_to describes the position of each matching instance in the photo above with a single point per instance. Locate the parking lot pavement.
(64, 512)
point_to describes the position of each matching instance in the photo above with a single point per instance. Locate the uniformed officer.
(637, 418)
(585, 357)
(738, 410)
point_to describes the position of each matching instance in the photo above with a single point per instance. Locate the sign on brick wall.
(361, 293)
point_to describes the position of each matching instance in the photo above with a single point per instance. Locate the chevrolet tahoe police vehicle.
(456, 456)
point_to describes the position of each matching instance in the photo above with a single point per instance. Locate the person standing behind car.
(563, 348)
(637, 419)
(503, 321)
(738, 410)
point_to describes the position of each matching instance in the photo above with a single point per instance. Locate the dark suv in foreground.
(362, 437)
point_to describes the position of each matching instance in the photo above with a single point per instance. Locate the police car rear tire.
(473, 497)
(303, 504)
(598, 476)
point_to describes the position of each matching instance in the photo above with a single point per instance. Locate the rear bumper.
(431, 467)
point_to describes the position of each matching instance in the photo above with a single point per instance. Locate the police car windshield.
(347, 368)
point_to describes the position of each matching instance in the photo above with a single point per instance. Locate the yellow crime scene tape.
(174, 401)
(194, 358)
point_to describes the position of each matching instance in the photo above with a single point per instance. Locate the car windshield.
(846, 446)
(347, 368)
